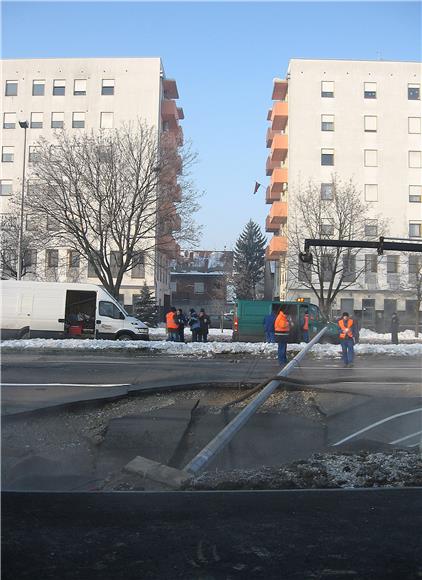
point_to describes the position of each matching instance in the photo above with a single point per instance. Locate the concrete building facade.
(85, 94)
(358, 120)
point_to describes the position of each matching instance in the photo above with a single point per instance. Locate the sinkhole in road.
(86, 447)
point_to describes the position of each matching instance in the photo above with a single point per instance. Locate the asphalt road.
(303, 535)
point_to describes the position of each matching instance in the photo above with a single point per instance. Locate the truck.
(249, 316)
(64, 310)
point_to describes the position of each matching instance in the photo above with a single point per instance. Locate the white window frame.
(371, 192)
(103, 117)
(415, 159)
(5, 122)
(325, 197)
(57, 120)
(11, 82)
(414, 125)
(79, 87)
(7, 151)
(59, 84)
(328, 152)
(415, 191)
(411, 86)
(372, 223)
(327, 122)
(38, 83)
(78, 117)
(107, 84)
(6, 187)
(370, 123)
(418, 224)
(369, 87)
(370, 157)
(32, 153)
(37, 120)
(327, 87)
(199, 287)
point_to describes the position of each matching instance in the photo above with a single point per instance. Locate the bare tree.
(32, 242)
(414, 285)
(115, 197)
(336, 211)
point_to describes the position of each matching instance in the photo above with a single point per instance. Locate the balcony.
(167, 245)
(180, 113)
(271, 196)
(279, 89)
(271, 227)
(169, 110)
(278, 213)
(279, 177)
(276, 247)
(271, 165)
(279, 148)
(270, 136)
(279, 116)
(170, 89)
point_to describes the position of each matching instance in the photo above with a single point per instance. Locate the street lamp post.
(24, 125)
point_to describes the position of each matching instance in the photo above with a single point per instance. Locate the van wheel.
(25, 334)
(125, 336)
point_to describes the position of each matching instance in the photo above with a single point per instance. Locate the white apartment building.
(84, 94)
(359, 120)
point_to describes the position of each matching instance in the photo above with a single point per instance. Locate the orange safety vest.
(306, 322)
(281, 324)
(171, 321)
(346, 330)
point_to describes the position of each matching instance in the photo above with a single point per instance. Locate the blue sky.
(224, 56)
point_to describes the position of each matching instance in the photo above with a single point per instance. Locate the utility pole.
(24, 125)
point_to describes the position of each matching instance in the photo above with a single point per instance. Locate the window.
(415, 229)
(52, 258)
(106, 120)
(173, 286)
(36, 120)
(59, 88)
(327, 89)
(116, 261)
(371, 157)
(7, 154)
(57, 120)
(33, 155)
(110, 310)
(327, 267)
(415, 159)
(415, 193)
(327, 156)
(370, 123)
(413, 92)
(7, 221)
(38, 88)
(107, 87)
(371, 263)
(371, 192)
(138, 266)
(9, 120)
(78, 120)
(199, 288)
(326, 228)
(32, 186)
(370, 90)
(392, 264)
(327, 122)
(52, 224)
(326, 191)
(73, 259)
(30, 259)
(6, 187)
(414, 125)
(79, 87)
(30, 222)
(11, 88)
(371, 228)
(349, 268)
(304, 273)
(415, 264)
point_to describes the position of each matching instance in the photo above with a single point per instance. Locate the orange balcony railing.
(279, 89)
(271, 227)
(279, 116)
(271, 165)
(270, 136)
(169, 110)
(170, 89)
(278, 178)
(276, 247)
(279, 148)
(271, 196)
(278, 212)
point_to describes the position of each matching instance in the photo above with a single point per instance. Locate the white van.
(61, 310)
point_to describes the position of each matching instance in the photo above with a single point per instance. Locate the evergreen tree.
(249, 261)
(145, 307)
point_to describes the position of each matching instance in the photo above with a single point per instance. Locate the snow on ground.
(399, 468)
(210, 349)
(215, 334)
(405, 336)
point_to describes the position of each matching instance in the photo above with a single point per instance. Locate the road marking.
(414, 445)
(407, 437)
(323, 368)
(63, 385)
(376, 425)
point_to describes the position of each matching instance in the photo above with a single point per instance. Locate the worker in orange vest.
(172, 325)
(305, 327)
(281, 330)
(347, 331)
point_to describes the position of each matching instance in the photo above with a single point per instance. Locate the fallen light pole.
(226, 435)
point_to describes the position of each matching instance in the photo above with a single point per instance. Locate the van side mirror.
(122, 316)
